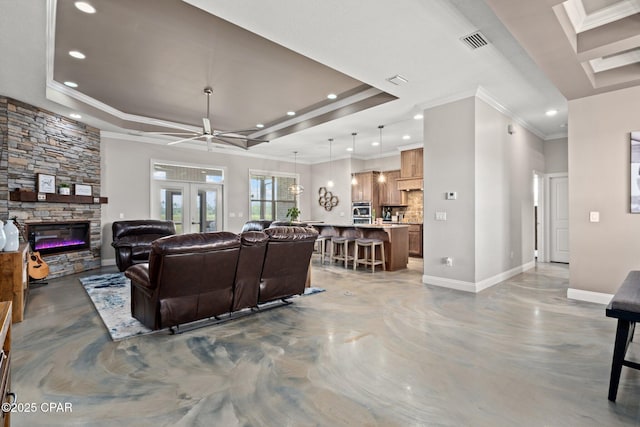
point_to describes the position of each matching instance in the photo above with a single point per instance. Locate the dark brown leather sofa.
(286, 262)
(201, 275)
(132, 239)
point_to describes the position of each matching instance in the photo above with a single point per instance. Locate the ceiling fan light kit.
(235, 138)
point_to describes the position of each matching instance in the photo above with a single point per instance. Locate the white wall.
(556, 155)
(489, 228)
(601, 254)
(340, 172)
(126, 181)
(504, 192)
(449, 165)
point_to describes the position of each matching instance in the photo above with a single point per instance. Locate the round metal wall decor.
(327, 200)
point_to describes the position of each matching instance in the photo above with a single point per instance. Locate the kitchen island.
(394, 236)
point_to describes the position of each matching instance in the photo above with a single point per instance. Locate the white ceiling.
(369, 41)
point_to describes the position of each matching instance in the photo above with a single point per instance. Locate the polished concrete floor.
(374, 350)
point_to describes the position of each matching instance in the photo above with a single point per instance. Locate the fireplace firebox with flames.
(55, 237)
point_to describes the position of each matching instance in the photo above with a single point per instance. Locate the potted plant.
(293, 214)
(64, 188)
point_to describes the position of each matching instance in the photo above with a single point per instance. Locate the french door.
(192, 207)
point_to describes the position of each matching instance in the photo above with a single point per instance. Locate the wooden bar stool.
(340, 249)
(369, 246)
(321, 247)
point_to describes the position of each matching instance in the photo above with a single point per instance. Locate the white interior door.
(559, 219)
(192, 207)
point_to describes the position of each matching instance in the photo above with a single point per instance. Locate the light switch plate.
(441, 216)
(594, 216)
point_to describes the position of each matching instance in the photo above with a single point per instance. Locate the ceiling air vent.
(475, 40)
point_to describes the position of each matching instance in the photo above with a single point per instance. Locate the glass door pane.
(206, 213)
(171, 206)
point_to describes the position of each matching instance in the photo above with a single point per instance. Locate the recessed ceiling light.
(332, 96)
(418, 116)
(291, 113)
(259, 125)
(71, 84)
(349, 149)
(406, 137)
(551, 113)
(85, 7)
(75, 116)
(77, 54)
(375, 143)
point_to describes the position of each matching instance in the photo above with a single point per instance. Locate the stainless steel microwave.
(361, 212)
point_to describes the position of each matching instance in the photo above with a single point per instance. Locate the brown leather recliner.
(189, 277)
(247, 284)
(132, 239)
(286, 262)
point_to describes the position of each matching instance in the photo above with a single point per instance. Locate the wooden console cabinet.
(14, 281)
(5, 360)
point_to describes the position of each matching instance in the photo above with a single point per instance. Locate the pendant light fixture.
(330, 183)
(354, 180)
(295, 188)
(381, 177)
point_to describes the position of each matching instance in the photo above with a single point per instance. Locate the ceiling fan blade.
(185, 140)
(231, 142)
(206, 124)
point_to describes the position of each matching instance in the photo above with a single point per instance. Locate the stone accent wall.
(415, 206)
(37, 141)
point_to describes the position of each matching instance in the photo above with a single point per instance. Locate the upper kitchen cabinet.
(411, 169)
(366, 190)
(389, 193)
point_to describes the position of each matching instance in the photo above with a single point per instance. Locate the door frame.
(547, 211)
(541, 229)
(153, 184)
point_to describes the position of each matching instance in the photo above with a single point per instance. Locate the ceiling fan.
(236, 138)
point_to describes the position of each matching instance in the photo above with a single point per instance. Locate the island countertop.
(374, 226)
(394, 236)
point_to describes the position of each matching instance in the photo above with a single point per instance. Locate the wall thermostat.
(452, 195)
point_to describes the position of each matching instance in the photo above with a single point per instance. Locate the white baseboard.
(589, 296)
(477, 286)
(108, 262)
(449, 283)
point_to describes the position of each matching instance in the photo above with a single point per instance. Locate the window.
(269, 195)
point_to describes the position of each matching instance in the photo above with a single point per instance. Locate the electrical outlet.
(448, 261)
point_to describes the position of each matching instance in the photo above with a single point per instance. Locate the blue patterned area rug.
(111, 295)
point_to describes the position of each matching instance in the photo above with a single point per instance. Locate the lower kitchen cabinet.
(415, 240)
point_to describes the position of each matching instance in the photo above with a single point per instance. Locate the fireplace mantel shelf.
(32, 196)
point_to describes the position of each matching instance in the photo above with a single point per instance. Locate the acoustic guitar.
(37, 268)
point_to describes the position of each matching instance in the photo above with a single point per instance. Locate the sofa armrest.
(139, 275)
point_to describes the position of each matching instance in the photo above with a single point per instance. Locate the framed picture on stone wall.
(46, 183)
(83, 190)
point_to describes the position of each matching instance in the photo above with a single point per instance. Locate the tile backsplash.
(415, 205)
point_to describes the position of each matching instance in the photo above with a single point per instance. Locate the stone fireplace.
(33, 141)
